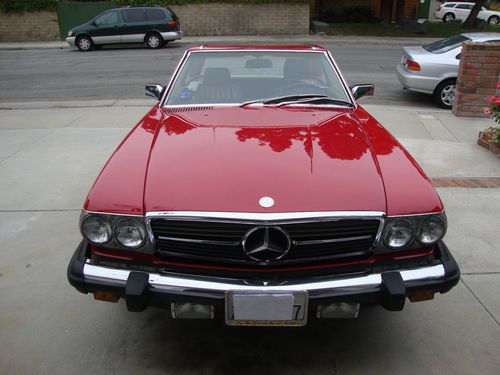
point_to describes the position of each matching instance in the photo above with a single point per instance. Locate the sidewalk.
(243, 39)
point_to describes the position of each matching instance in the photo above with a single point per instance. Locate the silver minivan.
(433, 68)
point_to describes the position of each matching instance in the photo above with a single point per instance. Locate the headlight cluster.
(128, 232)
(405, 231)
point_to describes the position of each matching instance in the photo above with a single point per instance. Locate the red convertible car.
(259, 191)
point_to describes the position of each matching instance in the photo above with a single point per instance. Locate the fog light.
(339, 310)
(187, 310)
(424, 295)
(105, 296)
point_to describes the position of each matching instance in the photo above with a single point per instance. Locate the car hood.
(227, 159)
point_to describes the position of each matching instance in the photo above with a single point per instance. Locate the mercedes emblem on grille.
(265, 244)
(266, 202)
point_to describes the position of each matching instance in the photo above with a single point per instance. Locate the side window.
(133, 15)
(450, 5)
(108, 18)
(155, 15)
(465, 6)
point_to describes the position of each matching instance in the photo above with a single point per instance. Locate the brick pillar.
(477, 78)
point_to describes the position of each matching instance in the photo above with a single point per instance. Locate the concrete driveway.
(49, 157)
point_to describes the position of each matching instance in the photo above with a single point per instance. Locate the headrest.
(216, 76)
(296, 69)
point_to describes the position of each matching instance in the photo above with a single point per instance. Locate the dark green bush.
(350, 14)
(26, 5)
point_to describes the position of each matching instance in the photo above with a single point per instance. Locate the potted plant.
(490, 137)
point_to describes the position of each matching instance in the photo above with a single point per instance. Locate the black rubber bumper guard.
(391, 294)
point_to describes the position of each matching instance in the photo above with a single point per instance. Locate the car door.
(462, 11)
(106, 28)
(135, 27)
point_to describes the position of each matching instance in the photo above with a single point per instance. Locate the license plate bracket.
(256, 308)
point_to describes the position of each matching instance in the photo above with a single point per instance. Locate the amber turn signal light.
(424, 295)
(105, 296)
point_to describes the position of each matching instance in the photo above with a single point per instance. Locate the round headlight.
(130, 233)
(399, 233)
(96, 229)
(431, 230)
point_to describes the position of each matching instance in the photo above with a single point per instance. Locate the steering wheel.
(303, 87)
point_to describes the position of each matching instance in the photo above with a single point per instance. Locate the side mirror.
(154, 90)
(359, 91)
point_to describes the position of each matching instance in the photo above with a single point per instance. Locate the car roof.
(481, 36)
(222, 47)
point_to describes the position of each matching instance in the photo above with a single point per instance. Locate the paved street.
(121, 72)
(62, 113)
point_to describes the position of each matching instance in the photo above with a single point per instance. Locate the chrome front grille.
(221, 241)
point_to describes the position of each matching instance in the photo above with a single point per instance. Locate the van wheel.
(493, 20)
(445, 93)
(84, 43)
(154, 40)
(448, 17)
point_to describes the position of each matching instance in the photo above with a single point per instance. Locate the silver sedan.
(433, 68)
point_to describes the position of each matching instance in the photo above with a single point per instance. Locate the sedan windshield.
(245, 76)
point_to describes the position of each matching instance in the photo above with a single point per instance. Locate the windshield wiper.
(281, 99)
(319, 100)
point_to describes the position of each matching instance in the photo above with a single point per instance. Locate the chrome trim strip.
(333, 240)
(205, 242)
(265, 216)
(85, 212)
(172, 283)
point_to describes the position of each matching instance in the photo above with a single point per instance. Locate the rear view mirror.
(359, 91)
(259, 64)
(154, 90)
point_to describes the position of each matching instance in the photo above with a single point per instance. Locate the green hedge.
(32, 5)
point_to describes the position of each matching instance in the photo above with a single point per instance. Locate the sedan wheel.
(445, 94)
(448, 17)
(493, 20)
(84, 43)
(154, 41)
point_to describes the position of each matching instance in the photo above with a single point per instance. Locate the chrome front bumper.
(387, 288)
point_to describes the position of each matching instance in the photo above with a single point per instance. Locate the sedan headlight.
(431, 230)
(399, 233)
(130, 233)
(71, 33)
(96, 229)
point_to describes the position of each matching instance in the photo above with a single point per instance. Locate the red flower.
(492, 99)
(497, 100)
(487, 111)
(498, 85)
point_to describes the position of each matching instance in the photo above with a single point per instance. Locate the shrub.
(350, 14)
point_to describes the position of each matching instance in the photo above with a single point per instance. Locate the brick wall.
(477, 78)
(243, 19)
(18, 27)
(196, 19)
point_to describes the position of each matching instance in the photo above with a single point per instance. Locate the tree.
(470, 22)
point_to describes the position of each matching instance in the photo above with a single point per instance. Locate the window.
(445, 45)
(449, 5)
(465, 6)
(236, 77)
(108, 18)
(133, 15)
(155, 14)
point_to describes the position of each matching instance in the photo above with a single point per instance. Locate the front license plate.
(250, 308)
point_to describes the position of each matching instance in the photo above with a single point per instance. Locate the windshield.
(242, 76)
(445, 45)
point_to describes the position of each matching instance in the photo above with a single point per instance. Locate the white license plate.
(253, 308)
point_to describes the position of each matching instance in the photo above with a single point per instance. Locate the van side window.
(133, 15)
(108, 18)
(155, 15)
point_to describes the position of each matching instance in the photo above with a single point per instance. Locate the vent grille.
(189, 109)
(221, 242)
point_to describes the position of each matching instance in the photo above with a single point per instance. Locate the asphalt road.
(121, 72)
